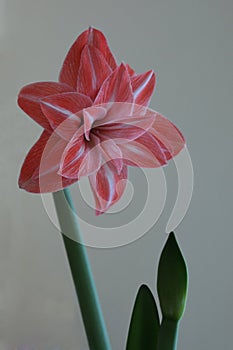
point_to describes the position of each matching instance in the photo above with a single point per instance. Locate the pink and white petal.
(39, 170)
(92, 159)
(115, 112)
(73, 155)
(80, 158)
(107, 186)
(126, 131)
(143, 86)
(116, 88)
(30, 96)
(71, 64)
(111, 152)
(130, 70)
(144, 152)
(90, 115)
(91, 162)
(32, 163)
(168, 135)
(61, 111)
(93, 70)
(97, 39)
(96, 153)
(128, 113)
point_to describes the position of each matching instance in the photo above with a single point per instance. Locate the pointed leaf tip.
(144, 325)
(172, 282)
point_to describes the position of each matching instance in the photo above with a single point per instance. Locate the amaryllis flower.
(96, 123)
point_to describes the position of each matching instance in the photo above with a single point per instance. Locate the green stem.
(81, 272)
(168, 334)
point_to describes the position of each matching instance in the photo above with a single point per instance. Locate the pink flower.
(96, 123)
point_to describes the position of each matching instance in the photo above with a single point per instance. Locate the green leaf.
(172, 282)
(144, 325)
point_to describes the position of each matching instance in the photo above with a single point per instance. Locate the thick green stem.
(81, 272)
(168, 334)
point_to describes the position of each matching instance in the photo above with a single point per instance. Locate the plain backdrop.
(189, 44)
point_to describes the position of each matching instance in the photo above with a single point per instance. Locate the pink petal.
(115, 112)
(93, 70)
(144, 151)
(119, 132)
(80, 158)
(61, 109)
(127, 128)
(130, 70)
(69, 71)
(90, 115)
(167, 134)
(111, 152)
(126, 113)
(98, 152)
(107, 186)
(30, 97)
(71, 65)
(97, 39)
(73, 155)
(39, 171)
(143, 86)
(90, 163)
(116, 88)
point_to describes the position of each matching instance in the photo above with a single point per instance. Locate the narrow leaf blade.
(172, 282)
(144, 325)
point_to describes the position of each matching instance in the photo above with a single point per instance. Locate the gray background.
(189, 44)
